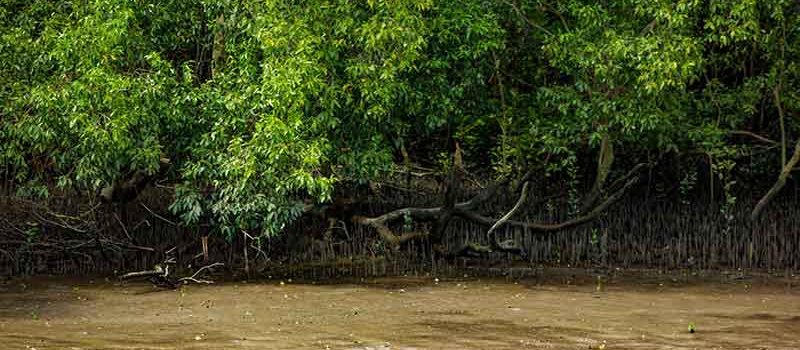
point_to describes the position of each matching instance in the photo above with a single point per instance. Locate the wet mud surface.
(403, 313)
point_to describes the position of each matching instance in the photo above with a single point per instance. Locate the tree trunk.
(218, 52)
(776, 93)
(604, 162)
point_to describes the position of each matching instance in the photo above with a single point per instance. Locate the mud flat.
(404, 313)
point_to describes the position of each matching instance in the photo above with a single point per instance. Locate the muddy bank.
(567, 312)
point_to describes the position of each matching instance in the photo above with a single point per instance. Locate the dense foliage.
(254, 109)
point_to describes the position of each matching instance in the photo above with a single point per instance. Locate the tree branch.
(624, 179)
(753, 135)
(539, 227)
(511, 212)
(380, 223)
(193, 277)
(525, 18)
(158, 216)
(386, 234)
(779, 183)
(776, 93)
(466, 210)
(62, 224)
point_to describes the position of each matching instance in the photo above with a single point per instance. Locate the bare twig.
(753, 135)
(62, 224)
(140, 223)
(128, 245)
(9, 255)
(193, 278)
(124, 229)
(158, 216)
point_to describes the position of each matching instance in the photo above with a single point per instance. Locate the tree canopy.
(255, 110)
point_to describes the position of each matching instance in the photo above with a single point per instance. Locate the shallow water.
(410, 313)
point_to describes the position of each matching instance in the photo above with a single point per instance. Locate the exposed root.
(510, 213)
(466, 210)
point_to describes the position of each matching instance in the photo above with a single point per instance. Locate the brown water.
(49, 313)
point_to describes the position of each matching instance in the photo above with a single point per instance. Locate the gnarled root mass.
(467, 210)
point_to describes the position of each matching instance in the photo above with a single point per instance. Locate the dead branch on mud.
(193, 277)
(156, 271)
(160, 275)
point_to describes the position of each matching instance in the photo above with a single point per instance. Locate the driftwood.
(160, 275)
